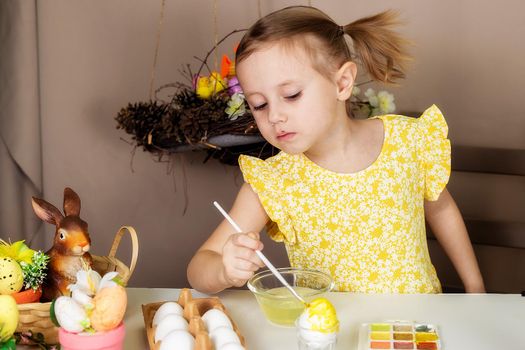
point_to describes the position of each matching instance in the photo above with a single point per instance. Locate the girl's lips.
(285, 136)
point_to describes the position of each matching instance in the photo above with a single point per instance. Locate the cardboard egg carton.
(194, 308)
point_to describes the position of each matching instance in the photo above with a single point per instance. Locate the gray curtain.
(20, 137)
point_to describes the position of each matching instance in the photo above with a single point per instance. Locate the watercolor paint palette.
(399, 335)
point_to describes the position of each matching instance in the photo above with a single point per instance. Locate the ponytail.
(381, 50)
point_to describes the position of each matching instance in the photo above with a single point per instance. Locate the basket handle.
(134, 245)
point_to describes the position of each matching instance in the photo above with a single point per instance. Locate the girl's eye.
(294, 96)
(259, 107)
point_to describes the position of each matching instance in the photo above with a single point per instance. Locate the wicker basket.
(35, 316)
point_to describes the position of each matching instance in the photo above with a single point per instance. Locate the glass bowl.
(278, 305)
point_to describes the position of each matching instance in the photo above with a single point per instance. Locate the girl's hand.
(239, 258)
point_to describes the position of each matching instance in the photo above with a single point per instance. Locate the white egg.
(70, 315)
(170, 323)
(180, 340)
(223, 335)
(167, 308)
(215, 318)
(231, 346)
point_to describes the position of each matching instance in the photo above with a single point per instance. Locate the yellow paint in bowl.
(277, 303)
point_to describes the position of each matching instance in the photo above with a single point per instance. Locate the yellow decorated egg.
(109, 308)
(8, 317)
(11, 276)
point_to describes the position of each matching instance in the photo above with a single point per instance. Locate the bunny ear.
(71, 202)
(47, 212)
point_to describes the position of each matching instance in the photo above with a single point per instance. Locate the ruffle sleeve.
(434, 152)
(265, 181)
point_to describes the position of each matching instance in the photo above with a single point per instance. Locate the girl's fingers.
(246, 265)
(241, 269)
(249, 240)
(239, 257)
(248, 255)
(254, 235)
(239, 276)
(238, 283)
(243, 275)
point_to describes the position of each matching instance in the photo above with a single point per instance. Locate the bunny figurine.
(70, 250)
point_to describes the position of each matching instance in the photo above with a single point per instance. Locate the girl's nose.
(275, 116)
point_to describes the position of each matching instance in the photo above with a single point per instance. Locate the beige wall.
(96, 56)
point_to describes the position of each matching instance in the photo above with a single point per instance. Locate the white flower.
(88, 284)
(356, 91)
(386, 102)
(372, 98)
(82, 298)
(236, 106)
(108, 280)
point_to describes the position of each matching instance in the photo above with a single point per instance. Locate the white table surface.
(464, 321)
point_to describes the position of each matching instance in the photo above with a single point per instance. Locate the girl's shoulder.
(281, 163)
(273, 161)
(431, 121)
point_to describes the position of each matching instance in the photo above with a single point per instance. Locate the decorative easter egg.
(223, 335)
(167, 308)
(70, 315)
(214, 318)
(320, 315)
(318, 323)
(11, 276)
(168, 324)
(109, 308)
(178, 339)
(8, 317)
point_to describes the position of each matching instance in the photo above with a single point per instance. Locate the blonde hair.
(380, 50)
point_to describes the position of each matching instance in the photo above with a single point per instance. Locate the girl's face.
(295, 107)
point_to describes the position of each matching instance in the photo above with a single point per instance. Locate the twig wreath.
(207, 113)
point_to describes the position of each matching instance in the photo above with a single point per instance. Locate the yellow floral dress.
(366, 229)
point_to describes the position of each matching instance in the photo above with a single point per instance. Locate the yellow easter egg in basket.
(11, 276)
(8, 317)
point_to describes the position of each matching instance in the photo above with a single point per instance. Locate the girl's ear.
(345, 79)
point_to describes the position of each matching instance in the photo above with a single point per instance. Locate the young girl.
(346, 196)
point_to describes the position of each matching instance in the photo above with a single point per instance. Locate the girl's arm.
(228, 258)
(446, 223)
